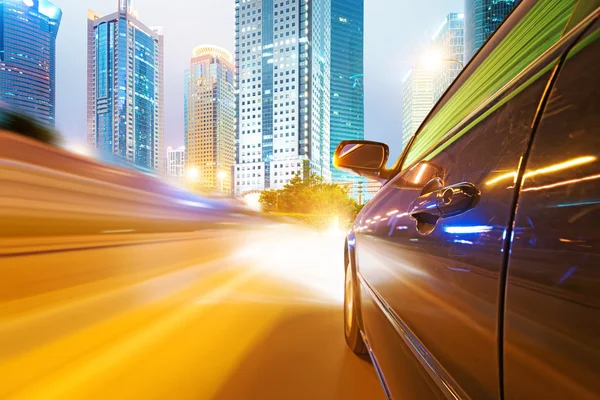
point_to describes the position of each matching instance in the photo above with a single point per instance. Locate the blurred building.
(125, 88)
(482, 18)
(449, 41)
(176, 162)
(28, 30)
(283, 77)
(347, 91)
(417, 99)
(210, 117)
(362, 191)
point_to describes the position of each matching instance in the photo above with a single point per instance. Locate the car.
(475, 271)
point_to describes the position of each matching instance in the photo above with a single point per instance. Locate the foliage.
(311, 200)
(19, 123)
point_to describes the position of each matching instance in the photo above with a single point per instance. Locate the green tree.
(311, 199)
(22, 124)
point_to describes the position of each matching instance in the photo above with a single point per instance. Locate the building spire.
(125, 6)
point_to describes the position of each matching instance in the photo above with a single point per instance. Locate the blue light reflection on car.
(459, 230)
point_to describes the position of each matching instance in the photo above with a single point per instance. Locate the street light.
(192, 175)
(432, 59)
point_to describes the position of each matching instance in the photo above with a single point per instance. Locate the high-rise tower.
(28, 31)
(347, 91)
(283, 80)
(125, 88)
(449, 42)
(210, 118)
(482, 18)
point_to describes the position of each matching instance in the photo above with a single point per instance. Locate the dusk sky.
(396, 32)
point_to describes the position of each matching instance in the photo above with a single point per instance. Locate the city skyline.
(385, 55)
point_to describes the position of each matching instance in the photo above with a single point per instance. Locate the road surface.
(218, 314)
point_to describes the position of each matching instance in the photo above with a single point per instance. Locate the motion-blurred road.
(232, 313)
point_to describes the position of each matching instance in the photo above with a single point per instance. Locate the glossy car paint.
(432, 304)
(552, 335)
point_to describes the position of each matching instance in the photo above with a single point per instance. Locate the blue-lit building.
(482, 18)
(125, 88)
(282, 55)
(347, 91)
(28, 30)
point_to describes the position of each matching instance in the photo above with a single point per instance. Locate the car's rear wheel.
(351, 314)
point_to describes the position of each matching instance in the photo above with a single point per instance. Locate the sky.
(396, 32)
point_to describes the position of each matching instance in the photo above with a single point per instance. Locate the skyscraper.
(449, 42)
(28, 30)
(417, 99)
(347, 92)
(210, 117)
(283, 77)
(125, 87)
(482, 18)
(176, 162)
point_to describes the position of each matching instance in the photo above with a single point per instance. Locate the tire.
(352, 314)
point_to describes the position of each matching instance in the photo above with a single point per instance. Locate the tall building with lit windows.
(28, 30)
(482, 18)
(347, 91)
(283, 83)
(449, 42)
(210, 104)
(417, 99)
(125, 88)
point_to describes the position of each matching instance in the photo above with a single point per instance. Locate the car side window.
(522, 45)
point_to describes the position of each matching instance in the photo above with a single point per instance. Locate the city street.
(237, 313)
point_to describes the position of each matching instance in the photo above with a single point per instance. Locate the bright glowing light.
(546, 170)
(502, 177)
(421, 172)
(252, 200)
(467, 229)
(564, 165)
(28, 3)
(392, 212)
(431, 59)
(222, 175)
(192, 174)
(80, 149)
(191, 203)
(334, 227)
(563, 183)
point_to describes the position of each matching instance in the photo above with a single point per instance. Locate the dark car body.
(499, 298)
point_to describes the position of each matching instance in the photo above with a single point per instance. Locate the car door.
(552, 328)
(431, 246)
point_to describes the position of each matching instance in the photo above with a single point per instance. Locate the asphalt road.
(222, 314)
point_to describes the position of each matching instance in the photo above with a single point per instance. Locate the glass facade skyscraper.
(125, 88)
(449, 42)
(482, 18)
(283, 80)
(417, 99)
(210, 117)
(28, 30)
(347, 91)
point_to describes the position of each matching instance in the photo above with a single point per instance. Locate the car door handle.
(438, 201)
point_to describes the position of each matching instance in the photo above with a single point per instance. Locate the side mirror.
(361, 157)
